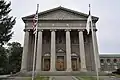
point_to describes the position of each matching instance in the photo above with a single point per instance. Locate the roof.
(109, 55)
(60, 8)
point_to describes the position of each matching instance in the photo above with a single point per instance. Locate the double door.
(74, 64)
(46, 64)
(60, 63)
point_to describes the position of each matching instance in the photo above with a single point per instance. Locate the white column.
(68, 50)
(39, 51)
(97, 52)
(25, 52)
(53, 51)
(82, 51)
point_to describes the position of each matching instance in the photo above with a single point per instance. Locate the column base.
(52, 70)
(23, 70)
(83, 70)
(69, 70)
(38, 71)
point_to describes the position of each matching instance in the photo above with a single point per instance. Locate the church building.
(62, 43)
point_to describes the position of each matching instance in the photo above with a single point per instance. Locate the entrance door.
(46, 64)
(60, 63)
(74, 64)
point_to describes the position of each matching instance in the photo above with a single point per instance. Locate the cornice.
(50, 19)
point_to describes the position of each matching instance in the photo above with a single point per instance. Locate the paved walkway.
(112, 78)
(109, 78)
(63, 78)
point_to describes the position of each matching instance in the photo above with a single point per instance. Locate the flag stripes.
(35, 22)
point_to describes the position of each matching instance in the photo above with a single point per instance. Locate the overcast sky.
(108, 12)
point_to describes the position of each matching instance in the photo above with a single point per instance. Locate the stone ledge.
(60, 73)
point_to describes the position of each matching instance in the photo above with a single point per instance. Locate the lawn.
(116, 75)
(39, 78)
(87, 78)
(29, 78)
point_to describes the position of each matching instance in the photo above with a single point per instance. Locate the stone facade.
(63, 43)
(109, 62)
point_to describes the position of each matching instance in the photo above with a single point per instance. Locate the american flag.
(35, 25)
(35, 22)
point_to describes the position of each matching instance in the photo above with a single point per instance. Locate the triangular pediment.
(59, 13)
(60, 51)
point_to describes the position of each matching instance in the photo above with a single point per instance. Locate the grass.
(42, 78)
(39, 78)
(87, 78)
(116, 75)
(29, 78)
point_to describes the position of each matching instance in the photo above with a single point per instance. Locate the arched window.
(108, 60)
(115, 60)
(101, 60)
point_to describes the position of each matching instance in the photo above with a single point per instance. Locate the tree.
(15, 56)
(6, 22)
(3, 60)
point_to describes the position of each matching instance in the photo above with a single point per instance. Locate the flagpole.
(35, 45)
(94, 47)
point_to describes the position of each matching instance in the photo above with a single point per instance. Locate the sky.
(108, 25)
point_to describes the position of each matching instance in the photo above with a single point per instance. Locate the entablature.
(58, 25)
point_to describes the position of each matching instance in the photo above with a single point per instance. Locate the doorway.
(74, 64)
(60, 63)
(46, 64)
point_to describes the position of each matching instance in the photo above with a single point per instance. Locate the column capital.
(40, 30)
(67, 30)
(81, 30)
(53, 30)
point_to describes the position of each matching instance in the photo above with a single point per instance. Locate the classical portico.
(62, 42)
